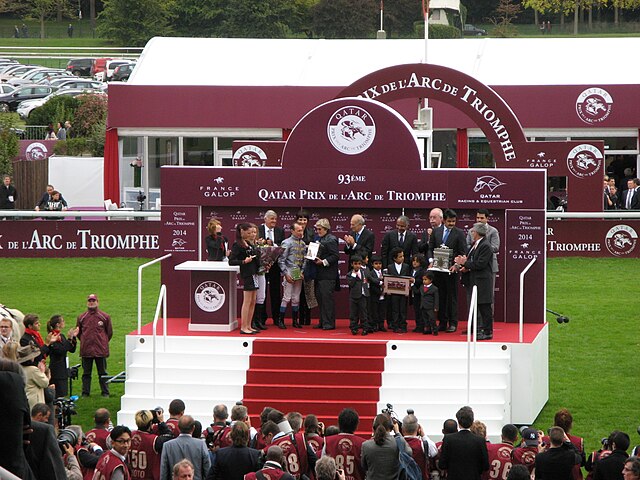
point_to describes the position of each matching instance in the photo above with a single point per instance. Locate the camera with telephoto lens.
(66, 437)
(155, 413)
(65, 408)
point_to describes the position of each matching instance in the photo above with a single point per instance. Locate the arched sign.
(478, 101)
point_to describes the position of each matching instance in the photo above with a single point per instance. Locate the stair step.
(320, 377)
(309, 362)
(339, 348)
(334, 392)
(317, 407)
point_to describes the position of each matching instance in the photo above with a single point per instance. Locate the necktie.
(401, 238)
(445, 235)
(357, 237)
(629, 197)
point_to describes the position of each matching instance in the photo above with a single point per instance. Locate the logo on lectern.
(351, 130)
(209, 296)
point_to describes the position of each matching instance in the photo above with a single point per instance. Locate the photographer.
(326, 470)
(100, 432)
(380, 454)
(86, 453)
(146, 447)
(422, 448)
(217, 434)
(70, 441)
(300, 456)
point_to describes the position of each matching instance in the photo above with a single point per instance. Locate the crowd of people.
(621, 197)
(291, 446)
(301, 270)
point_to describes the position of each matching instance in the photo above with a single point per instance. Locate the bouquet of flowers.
(268, 256)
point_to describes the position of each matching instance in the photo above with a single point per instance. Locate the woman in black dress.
(58, 353)
(245, 254)
(217, 243)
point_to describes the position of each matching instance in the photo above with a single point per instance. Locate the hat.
(530, 437)
(93, 296)
(27, 353)
(324, 223)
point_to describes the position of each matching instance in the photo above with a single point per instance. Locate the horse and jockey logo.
(621, 240)
(487, 181)
(584, 160)
(594, 105)
(351, 130)
(209, 296)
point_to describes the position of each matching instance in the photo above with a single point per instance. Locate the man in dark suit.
(234, 462)
(453, 237)
(326, 275)
(272, 235)
(631, 197)
(360, 240)
(476, 271)
(47, 197)
(557, 463)
(400, 237)
(464, 455)
(358, 280)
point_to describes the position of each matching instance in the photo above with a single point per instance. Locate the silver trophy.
(442, 259)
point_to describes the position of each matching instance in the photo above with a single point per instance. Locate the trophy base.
(438, 269)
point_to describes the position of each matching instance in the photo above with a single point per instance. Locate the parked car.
(35, 76)
(111, 66)
(10, 101)
(25, 108)
(123, 72)
(16, 71)
(99, 65)
(80, 67)
(62, 83)
(473, 31)
(6, 88)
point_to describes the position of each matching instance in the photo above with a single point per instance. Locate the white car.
(25, 108)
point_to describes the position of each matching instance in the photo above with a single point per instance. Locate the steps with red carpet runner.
(316, 376)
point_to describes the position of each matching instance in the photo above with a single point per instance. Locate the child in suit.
(429, 299)
(398, 302)
(377, 302)
(358, 281)
(419, 264)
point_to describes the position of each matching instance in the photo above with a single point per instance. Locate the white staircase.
(431, 378)
(201, 371)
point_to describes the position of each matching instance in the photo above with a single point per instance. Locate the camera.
(66, 437)
(392, 415)
(605, 443)
(65, 408)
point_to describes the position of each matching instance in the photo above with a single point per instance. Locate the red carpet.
(320, 377)
(502, 332)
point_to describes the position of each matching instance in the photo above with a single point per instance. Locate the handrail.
(521, 311)
(551, 214)
(82, 213)
(162, 300)
(140, 268)
(472, 335)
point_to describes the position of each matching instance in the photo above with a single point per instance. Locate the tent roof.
(278, 62)
(449, 4)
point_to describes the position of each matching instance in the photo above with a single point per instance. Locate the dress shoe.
(427, 332)
(451, 329)
(354, 331)
(382, 329)
(418, 330)
(365, 333)
(317, 326)
(435, 332)
(484, 336)
(252, 332)
(328, 328)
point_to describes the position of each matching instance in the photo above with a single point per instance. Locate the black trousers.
(325, 290)
(358, 316)
(275, 291)
(448, 288)
(87, 367)
(398, 311)
(377, 311)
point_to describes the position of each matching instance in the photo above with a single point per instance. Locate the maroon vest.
(346, 449)
(98, 436)
(525, 456)
(418, 454)
(294, 454)
(499, 460)
(107, 465)
(143, 459)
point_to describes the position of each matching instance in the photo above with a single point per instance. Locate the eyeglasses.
(123, 440)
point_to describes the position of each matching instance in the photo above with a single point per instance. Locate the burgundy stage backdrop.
(356, 156)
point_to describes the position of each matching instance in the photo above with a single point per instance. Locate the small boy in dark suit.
(377, 302)
(429, 299)
(358, 281)
(398, 302)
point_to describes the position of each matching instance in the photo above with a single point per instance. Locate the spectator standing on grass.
(58, 353)
(16, 31)
(70, 31)
(557, 463)
(25, 31)
(8, 194)
(610, 468)
(94, 332)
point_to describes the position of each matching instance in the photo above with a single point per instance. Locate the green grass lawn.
(593, 359)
